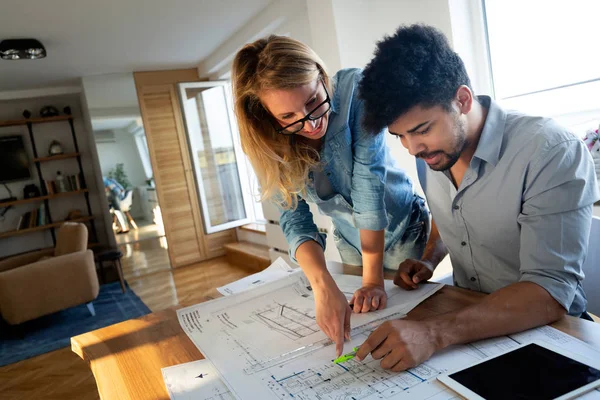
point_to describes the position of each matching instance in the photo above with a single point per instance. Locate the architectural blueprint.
(265, 344)
(279, 317)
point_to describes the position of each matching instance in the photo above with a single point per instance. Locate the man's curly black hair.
(414, 67)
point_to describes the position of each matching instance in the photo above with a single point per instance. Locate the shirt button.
(463, 243)
(456, 207)
(473, 279)
(329, 174)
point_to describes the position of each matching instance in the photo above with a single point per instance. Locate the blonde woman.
(302, 133)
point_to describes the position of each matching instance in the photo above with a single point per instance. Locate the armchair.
(43, 282)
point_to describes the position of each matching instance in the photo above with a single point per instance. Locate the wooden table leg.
(120, 271)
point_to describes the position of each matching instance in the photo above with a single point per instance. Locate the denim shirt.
(370, 192)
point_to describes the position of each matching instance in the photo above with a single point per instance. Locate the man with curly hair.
(511, 198)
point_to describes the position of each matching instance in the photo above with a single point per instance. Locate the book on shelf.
(41, 220)
(71, 183)
(33, 218)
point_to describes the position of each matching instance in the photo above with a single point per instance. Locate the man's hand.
(369, 298)
(411, 272)
(400, 344)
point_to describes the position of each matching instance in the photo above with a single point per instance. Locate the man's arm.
(517, 307)
(411, 272)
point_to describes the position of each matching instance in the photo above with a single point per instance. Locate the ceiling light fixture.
(21, 49)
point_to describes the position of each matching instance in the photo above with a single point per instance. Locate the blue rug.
(54, 331)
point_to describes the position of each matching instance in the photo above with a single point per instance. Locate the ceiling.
(97, 37)
(105, 124)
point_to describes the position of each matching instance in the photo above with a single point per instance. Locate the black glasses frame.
(309, 116)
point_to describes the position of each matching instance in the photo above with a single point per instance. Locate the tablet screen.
(530, 372)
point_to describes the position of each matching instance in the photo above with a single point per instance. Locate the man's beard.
(452, 157)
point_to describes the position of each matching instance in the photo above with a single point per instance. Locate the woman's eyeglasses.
(317, 113)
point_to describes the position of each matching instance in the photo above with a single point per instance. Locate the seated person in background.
(510, 194)
(115, 192)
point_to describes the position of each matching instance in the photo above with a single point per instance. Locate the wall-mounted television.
(14, 161)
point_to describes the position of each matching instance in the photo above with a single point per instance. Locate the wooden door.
(163, 123)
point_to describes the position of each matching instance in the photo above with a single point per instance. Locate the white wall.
(44, 134)
(361, 23)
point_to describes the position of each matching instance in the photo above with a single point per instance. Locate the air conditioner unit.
(105, 137)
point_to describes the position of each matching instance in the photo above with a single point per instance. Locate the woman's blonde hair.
(280, 162)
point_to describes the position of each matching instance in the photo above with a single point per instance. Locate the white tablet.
(536, 370)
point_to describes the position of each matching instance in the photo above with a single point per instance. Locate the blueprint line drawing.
(350, 380)
(266, 344)
(287, 320)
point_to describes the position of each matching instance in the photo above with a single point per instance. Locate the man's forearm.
(372, 245)
(515, 308)
(435, 250)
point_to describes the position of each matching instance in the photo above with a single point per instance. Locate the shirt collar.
(490, 141)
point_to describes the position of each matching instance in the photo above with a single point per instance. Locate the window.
(545, 60)
(142, 146)
(218, 162)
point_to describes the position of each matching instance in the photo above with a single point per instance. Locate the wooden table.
(126, 358)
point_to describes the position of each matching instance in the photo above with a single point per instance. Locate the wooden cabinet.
(169, 154)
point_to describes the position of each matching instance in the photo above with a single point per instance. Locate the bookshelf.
(44, 222)
(41, 198)
(59, 157)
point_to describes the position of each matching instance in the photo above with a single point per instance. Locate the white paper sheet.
(197, 380)
(316, 377)
(275, 320)
(279, 269)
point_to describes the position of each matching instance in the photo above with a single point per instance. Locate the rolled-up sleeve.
(298, 227)
(368, 175)
(556, 219)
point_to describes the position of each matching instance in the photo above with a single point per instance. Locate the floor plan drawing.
(243, 333)
(351, 380)
(289, 321)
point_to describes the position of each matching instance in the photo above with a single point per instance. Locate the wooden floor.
(146, 230)
(63, 375)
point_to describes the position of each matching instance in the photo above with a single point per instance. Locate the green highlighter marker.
(346, 357)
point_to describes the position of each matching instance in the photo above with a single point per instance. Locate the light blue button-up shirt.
(523, 210)
(368, 191)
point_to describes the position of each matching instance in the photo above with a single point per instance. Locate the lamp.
(21, 49)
